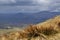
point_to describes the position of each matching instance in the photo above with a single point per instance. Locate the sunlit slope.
(54, 22)
(48, 30)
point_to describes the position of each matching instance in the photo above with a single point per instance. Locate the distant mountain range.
(26, 18)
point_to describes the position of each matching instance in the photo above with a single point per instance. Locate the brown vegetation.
(45, 30)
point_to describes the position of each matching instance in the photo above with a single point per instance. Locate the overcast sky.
(15, 6)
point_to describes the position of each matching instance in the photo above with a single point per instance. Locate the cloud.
(7, 2)
(17, 9)
(16, 2)
(11, 6)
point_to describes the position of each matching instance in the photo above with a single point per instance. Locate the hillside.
(48, 30)
(22, 19)
(26, 18)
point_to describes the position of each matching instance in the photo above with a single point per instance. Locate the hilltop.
(48, 30)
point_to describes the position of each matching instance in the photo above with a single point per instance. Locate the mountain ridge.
(26, 18)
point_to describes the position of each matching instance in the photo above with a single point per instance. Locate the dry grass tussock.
(49, 30)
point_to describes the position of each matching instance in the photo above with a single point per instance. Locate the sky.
(29, 6)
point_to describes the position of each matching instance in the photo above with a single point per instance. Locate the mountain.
(26, 18)
(44, 15)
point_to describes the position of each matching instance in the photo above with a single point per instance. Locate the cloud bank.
(14, 6)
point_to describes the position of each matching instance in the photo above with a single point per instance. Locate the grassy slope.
(48, 29)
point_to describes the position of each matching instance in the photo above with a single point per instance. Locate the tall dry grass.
(49, 30)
